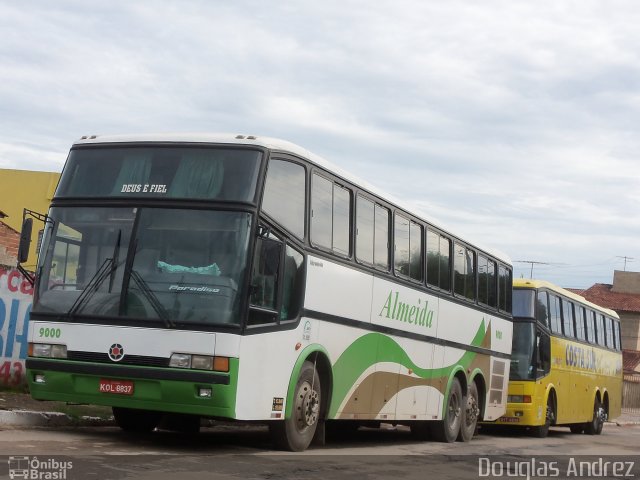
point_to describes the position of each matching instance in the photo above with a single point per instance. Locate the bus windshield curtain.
(198, 176)
(135, 169)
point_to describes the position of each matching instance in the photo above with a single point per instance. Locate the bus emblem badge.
(116, 352)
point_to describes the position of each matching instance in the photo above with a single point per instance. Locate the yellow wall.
(21, 189)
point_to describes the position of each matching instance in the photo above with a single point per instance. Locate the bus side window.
(591, 326)
(543, 356)
(284, 195)
(554, 309)
(505, 282)
(616, 326)
(293, 284)
(580, 322)
(567, 318)
(439, 261)
(264, 281)
(542, 309)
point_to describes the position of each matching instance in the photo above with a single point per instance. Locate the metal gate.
(631, 393)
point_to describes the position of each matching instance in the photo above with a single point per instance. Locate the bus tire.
(296, 432)
(470, 412)
(541, 431)
(447, 429)
(594, 427)
(134, 420)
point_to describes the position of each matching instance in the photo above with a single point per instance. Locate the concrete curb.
(26, 418)
(627, 423)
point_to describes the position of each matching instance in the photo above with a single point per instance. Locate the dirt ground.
(14, 400)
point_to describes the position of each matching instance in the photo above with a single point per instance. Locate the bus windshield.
(522, 359)
(523, 303)
(159, 264)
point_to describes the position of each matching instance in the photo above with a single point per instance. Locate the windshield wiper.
(107, 267)
(152, 299)
(116, 251)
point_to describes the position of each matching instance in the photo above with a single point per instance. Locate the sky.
(515, 123)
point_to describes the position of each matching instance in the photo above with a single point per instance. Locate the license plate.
(510, 419)
(119, 387)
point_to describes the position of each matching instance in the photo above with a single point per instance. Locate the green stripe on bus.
(374, 348)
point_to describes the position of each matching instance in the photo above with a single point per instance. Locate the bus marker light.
(298, 346)
(221, 364)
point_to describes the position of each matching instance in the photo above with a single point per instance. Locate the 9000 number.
(46, 332)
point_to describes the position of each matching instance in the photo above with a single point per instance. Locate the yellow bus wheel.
(594, 427)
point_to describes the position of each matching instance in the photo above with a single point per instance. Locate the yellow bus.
(566, 361)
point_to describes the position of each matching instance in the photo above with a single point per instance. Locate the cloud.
(514, 122)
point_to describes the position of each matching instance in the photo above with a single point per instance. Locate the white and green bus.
(243, 278)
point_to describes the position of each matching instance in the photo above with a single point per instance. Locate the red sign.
(119, 387)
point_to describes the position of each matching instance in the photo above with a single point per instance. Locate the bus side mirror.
(25, 240)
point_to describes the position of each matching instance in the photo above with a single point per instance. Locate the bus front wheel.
(541, 431)
(296, 432)
(448, 428)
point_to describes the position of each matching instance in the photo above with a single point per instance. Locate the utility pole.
(625, 260)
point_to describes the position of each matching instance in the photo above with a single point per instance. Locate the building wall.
(626, 282)
(15, 304)
(9, 240)
(21, 189)
(630, 328)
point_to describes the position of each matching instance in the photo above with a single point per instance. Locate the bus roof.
(528, 283)
(279, 145)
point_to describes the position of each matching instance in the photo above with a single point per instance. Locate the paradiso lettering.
(395, 309)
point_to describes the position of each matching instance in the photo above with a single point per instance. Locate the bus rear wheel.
(448, 428)
(296, 432)
(594, 427)
(134, 420)
(470, 414)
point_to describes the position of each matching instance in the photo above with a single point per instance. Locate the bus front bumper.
(521, 414)
(149, 388)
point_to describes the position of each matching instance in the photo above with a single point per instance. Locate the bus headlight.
(202, 362)
(48, 350)
(180, 360)
(199, 362)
